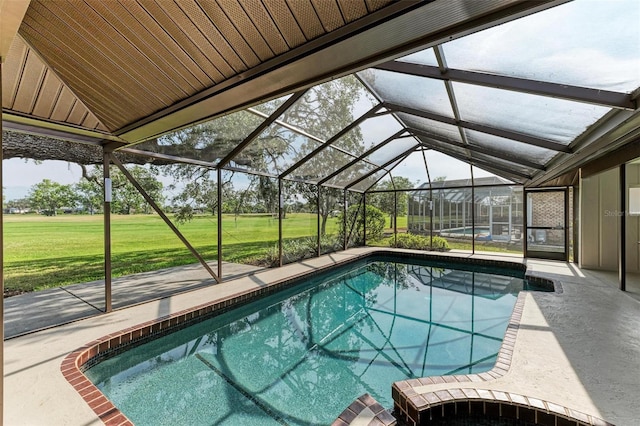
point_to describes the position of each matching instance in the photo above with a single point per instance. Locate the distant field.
(43, 252)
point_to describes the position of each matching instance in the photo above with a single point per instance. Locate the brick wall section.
(548, 209)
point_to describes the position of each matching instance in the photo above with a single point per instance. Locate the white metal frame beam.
(507, 134)
(605, 98)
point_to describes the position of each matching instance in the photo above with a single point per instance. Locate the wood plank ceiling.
(103, 65)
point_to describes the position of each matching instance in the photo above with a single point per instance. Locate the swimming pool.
(302, 355)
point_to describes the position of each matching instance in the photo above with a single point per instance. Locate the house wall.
(599, 222)
(633, 223)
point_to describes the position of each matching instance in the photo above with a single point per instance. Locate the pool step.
(365, 411)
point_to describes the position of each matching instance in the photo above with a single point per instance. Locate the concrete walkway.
(30, 312)
(580, 349)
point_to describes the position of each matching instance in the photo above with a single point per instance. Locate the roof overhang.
(11, 15)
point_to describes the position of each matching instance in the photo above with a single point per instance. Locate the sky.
(18, 175)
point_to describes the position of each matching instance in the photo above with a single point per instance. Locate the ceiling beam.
(287, 126)
(334, 138)
(183, 160)
(612, 131)
(477, 162)
(383, 167)
(18, 123)
(361, 157)
(605, 98)
(258, 130)
(443, 67)
(507, 134)
(388, 33)
(420, 134)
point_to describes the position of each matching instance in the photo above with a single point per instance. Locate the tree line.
(50, 198)
(196, 197)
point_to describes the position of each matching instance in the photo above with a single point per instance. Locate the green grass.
(44, 252)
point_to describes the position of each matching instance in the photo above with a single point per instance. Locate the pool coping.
(78, 361)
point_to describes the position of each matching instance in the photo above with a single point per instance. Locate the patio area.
(301, 128)
(577, 348)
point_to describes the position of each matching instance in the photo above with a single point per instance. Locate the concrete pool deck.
(580, 349)
(62, 305)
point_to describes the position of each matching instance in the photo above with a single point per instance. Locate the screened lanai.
(486, 124)
(542, 108)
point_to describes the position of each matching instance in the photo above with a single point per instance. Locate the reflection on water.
(304, 358)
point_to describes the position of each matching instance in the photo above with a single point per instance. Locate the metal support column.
(1, 272)
(280, 211)
(490, 214)
(344, 219)
(473, 213)
(566, 224)
(576, 224)
(219, 224)
(622, 248)
(395, 217)
(364, 223)
(431, 218)
(318, 239)
(106, 162)
(525, 224)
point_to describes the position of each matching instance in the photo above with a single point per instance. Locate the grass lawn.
(43, 252)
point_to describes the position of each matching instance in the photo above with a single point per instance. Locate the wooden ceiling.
(157, 52)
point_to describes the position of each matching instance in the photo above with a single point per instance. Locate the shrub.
(418, 242)
(330, 243)
(293, 250)
(375, 224)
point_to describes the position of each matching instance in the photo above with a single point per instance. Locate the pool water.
(303, 355)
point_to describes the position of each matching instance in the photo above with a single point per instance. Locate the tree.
(330, 200)
(20, 205)
(323, 111)
(267, 191)
(50, 196)
(327, 110)
(386, 201)
(355, 223)
(89, 195)
(125, 198)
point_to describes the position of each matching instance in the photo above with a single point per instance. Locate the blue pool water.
(301, 356)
